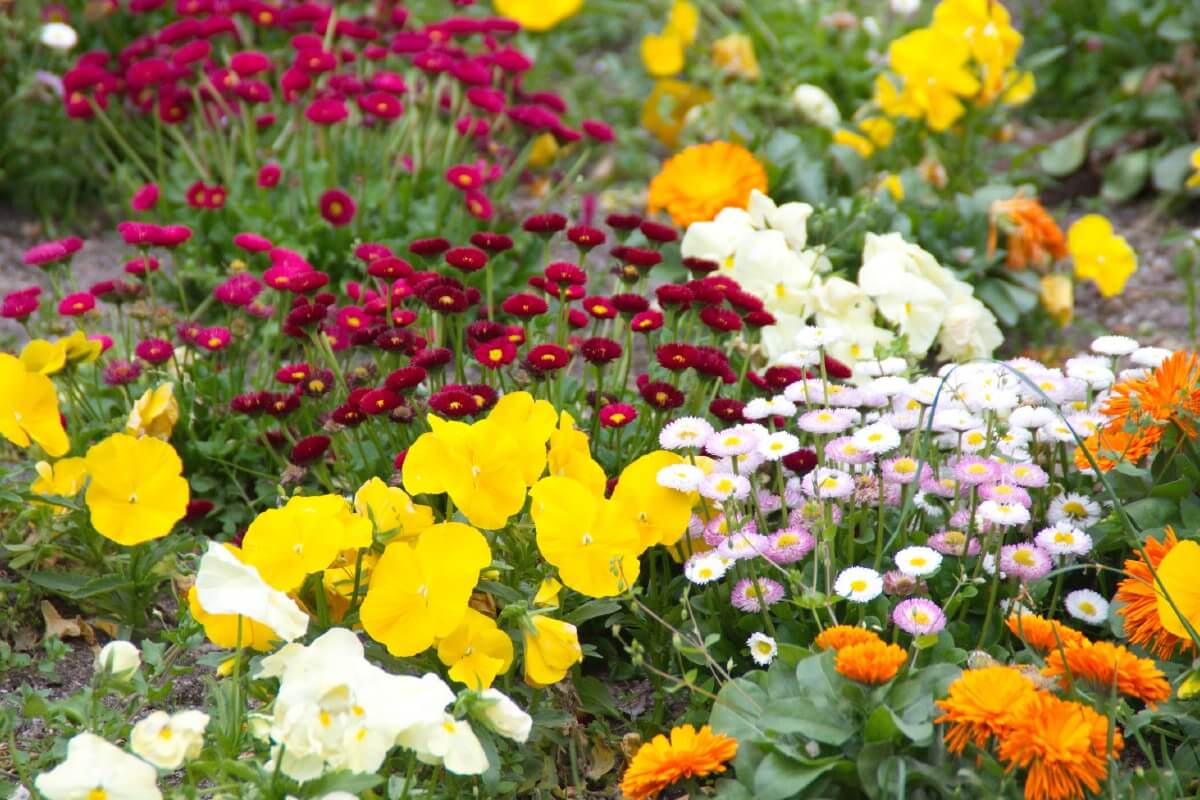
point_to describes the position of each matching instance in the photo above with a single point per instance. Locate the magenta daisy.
(953, 542)
(789, 545)
(1025, 561)
(902, 469)
(918, 616)
(976, 471)
(746, 594)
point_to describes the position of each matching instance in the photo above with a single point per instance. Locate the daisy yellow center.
(825, 416)
(977, 469)
(975, 438)
(732, 441)
(495, 354)
(858, 585)
(335, 208)
(955, 538)
(763, 647)
(97, 794)
(618, 417)
(725, 485)
(829, 483)
(875, 437)
(920, 617)
(917, 561)
(1024, 558)
(214, 341)
(1074, 509)
(787, 540)
(1064, 537)
(905, 466)
(1087, 607)
(166, 733)
(705, 572)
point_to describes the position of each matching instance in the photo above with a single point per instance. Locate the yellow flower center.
(858, 585)
(920, 617)
(955, 538)
(448, 726)
(495, 354)
(618, 417)
(763, 647)
(1024, 558)
(325, 719)
(917, 561)
(1074, 509)
(97, 794)
(905, 466)
(1087, 607)
(977, 469)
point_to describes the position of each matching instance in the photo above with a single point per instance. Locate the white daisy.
(1064, 539)
(1003, 514)
(1092, 370)
(918, 561)
(1114, 345)
(1149, 357)
(778, 445)
(876, 439)
(1030, 417)
(736, 441)
(812, 337)
(877, 368)
(762, 648)
(859, 584)
(722, 486)
(680, 477)
(1088, 606)
(1077, 509)
(705, 568)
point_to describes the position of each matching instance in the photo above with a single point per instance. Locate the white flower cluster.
(901, 288)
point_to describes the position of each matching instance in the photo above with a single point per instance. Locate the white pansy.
(504, 716)
(96, 769)
(224, 585)
(815, 105)
(447, 741)
(119, 657)
(167, 740)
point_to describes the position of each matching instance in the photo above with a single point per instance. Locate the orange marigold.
(979, 705)
(840, 636)
(1103, 664)
(1044, 635)
(1138, 601)
(701, 180)
(1111, 445)
(871, 662)
(1062, 744)
(689, 753)
(1159, 398)
(1033, 237)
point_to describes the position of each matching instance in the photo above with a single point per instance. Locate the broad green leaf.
(1126, 176)
(1066, 155)
(1172, 169)
(779, 777)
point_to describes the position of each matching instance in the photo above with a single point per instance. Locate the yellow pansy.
(80, 349)
(391, 510)
(662, 54)
(856, 142)
(1100, 254)
(684, 22)
(476, 651)
(934, 68)
(547, 594)
(894, 186)
(571, 457)
(984, 26)
(338, 579)
(44, 357)
(419, 592)
(155, 413)
(1020, 87)
(592, 541)
(666, 108)
(287, 544)
(136, 490)
(538, 15)
(734, 55)
(1176, 575)
(528, 421)
(1058, 297)
(545, 148)
(879, 130)
(551, 649)
(29, 408)
(661, 515)
(62, 479)
(891, 101)
(1194, 179)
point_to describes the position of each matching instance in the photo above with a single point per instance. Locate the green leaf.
(595, 697)
(1172, 169)
(591, 610)
(779, 777)
(993, 294)
(345, 781)
(1066, 155)
(1126, 176)
(1151, 512)
(809, 718)
(63, 583)
(1173, 490)
(1189, 513)
(880, 726)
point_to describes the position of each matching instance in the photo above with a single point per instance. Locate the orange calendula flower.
(1033, 238)
(1111, 445)
(1062, 744)
(1137, 600)
(840, 636)
(980, 705)
(870, 662)
(698, 182)
(1044, 635)
(1103, 664)
(688, 754)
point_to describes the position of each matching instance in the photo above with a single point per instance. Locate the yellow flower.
(1058, 297)
(44, 357)
(856, 142)
(545, 149)
(934, 68)
(80, 349)
(338, 579)
(29, 408)
(586, 536)
(667, 106)
(64, 479)
(538, 15)
(683, 22)
(985, 27)
(155, 413)
(734, 55)
(391, 510)
(222, 629)
(547, 594)
(287, 544)
(419, 592)
(551, 649)
(879, 130)
(698, 182)
(137, 491)
(891, 101)
(662, 54)
(1020, 86)
(660, 514)
(476, 651)
(1100, 255)
(894, 186)
(571, 457)
(486, 467)
(1177, 579)
(1194, 180)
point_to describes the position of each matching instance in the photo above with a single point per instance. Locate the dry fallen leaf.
(604, 758)
(57, 625)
